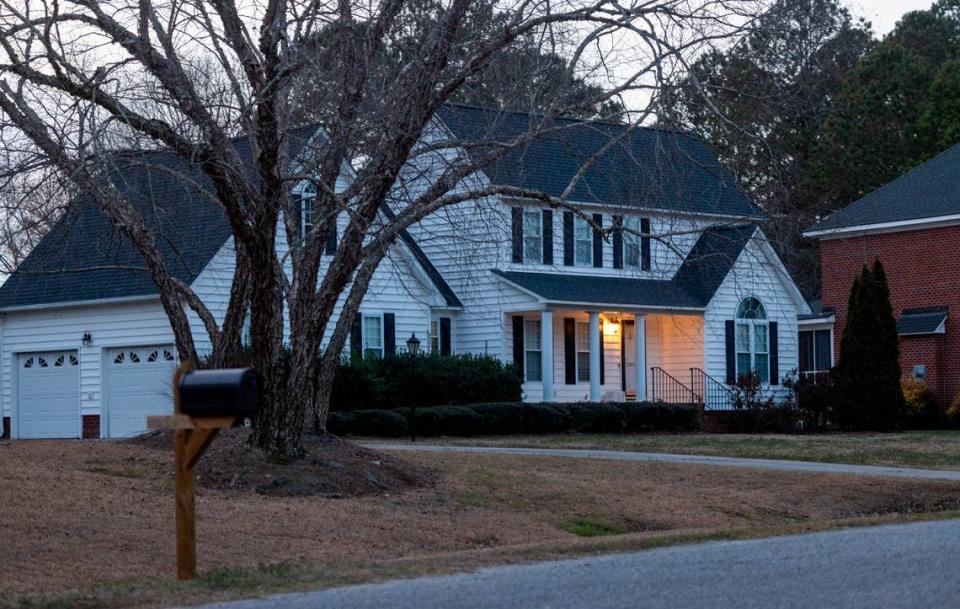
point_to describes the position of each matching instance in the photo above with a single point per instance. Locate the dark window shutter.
(597, 241)
(568, 238)
(331, 246)
(518, 344)
(570, 350)
(444, 336)
(517, 233)
(644, 244)
(356, 337)
(602, 364)
(731, 352)
(774, 353)
(548, 236)
(389, 334)
(618, 242)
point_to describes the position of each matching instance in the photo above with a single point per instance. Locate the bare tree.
(81, 78)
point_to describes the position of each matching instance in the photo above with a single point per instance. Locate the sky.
(883, 14)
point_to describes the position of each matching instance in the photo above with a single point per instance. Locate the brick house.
(912, 225)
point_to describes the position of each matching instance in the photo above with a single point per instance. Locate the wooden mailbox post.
(212, 405)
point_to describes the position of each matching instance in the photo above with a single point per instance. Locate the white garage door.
(48, 395)
(137, 384)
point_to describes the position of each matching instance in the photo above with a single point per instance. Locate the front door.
(629, 357)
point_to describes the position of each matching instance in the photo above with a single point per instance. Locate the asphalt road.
(910, 566)
(615, 455)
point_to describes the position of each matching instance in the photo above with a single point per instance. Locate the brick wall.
(923, 270)
(91, 426)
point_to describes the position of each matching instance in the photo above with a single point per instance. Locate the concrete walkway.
(613, 455)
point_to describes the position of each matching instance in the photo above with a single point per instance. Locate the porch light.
(611, 328)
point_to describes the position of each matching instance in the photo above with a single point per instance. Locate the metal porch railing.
(711, 393)
(666, 388)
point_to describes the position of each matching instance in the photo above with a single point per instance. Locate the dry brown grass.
(924, 449)
(80, 515)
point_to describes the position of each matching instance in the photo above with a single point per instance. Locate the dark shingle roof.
(929, 191)
(692, 287)
(817, 311)
(647, 168)
(84, 259)
(921, 321)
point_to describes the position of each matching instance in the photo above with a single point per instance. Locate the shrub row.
(509, 418)
(432, 380)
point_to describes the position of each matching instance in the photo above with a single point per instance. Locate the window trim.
(580, 222)
(364, 335)
(751, 323)
(532, 212)
(435, 336)
(578, 351)
(815, 369)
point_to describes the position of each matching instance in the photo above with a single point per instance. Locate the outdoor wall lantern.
(87, 339)
(611, 328)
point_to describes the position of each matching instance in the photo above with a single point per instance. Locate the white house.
(86, 350)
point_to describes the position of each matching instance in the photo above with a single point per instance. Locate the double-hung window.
(435, 336)
(631, 242)
(582, 242)
(372, 333)
(753, 339)
(533, 235)
(636, 243)
(583, 351)
(533, 353)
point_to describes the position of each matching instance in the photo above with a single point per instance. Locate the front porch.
(572, 355)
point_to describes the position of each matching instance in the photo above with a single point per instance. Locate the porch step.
(630, 396)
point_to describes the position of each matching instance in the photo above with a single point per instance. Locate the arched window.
(753, 339)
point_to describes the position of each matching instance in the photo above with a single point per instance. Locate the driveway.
(910, 566)
(775, 464)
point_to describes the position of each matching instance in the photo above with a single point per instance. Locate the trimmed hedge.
(432, 380)
(515, 418)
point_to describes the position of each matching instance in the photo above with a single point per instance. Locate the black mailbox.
(227, 392)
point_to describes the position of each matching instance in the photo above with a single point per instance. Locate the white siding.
(756, 274)
(110, 325)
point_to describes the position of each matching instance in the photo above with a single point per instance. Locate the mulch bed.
(330, 468)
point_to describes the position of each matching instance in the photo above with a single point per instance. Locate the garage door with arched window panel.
(137, 383)
(48, 395)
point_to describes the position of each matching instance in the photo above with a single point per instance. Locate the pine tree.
(869, 368)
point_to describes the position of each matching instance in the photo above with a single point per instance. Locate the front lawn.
(89, 524)
(924, 449)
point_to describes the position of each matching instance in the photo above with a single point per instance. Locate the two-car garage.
(134, 383)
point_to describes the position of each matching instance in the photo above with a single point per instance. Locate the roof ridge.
(572, 119)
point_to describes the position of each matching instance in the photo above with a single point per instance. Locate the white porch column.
(640, 331)
(546, 354)
(594, 356)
